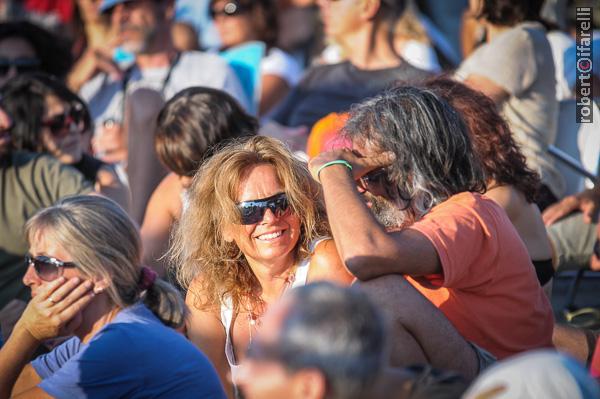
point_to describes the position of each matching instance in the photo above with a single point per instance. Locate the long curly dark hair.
(492, 140)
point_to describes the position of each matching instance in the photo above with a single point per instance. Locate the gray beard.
(140, 46)
(387, 213)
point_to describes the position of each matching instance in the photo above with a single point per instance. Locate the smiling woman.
(254, 227)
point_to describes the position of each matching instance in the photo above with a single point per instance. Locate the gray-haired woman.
(86, 280)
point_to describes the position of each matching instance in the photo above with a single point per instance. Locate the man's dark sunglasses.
(60, 124)
(230, 9)
(252, 212)
(373, 179)
(22, 65)
(46, 267)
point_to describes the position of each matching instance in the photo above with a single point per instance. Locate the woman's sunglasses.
(60, 124)
(22, 65)
(46, 267)
(230, 9)
(252, 212)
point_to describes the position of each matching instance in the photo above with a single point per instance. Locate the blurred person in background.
(536, 374)
(190, 127)
(572, 224)
(144, 35)
(367, 27)
(28, 183)
(49, 118)
(327, 341)
(241, 21)
(516, 70)
(25, 47)
(509, 181)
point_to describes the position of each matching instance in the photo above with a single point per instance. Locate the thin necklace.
(254, 319)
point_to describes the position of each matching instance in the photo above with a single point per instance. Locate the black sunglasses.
(373, 179)
(60, 124)
(230, 9)
(252, 212)
(46, 267)
(22, 65)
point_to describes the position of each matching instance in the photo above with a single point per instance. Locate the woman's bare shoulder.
(326, 264)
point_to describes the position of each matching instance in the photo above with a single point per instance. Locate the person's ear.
(228, 233)
(309, 384)
(369, 9)
(101, 284)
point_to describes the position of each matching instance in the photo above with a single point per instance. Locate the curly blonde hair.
(199, 248)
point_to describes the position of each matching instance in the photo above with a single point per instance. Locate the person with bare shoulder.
(254, 227)
(515, 68)
(189, 127)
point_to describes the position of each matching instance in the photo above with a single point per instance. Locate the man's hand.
(360, 165)
(595, 261)
(588, 202)
(92, 62)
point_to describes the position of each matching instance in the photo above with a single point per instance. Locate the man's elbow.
(361, 267)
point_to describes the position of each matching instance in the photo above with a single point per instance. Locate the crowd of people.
(290, 199)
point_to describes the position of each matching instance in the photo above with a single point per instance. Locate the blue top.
(134, 356)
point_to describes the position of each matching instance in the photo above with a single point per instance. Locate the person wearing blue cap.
(143, 33)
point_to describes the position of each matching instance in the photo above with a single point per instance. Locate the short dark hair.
(434, 156)
(24, 99)
(510, 12)
(338, 331)
(193, 123)
(491, 137)
(52, 51)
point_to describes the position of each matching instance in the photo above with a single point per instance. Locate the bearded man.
(412, 164)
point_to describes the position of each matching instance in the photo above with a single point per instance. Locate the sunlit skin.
(67, 146)
(5, 123)
(339, 17)
(260, 249)
(15, 48)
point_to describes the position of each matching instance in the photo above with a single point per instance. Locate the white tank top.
(227, 310)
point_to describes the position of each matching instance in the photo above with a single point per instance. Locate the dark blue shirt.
(134, 356)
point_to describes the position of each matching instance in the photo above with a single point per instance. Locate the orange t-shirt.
(488, 289)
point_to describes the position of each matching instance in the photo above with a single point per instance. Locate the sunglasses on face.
(60, 124)
(22, 65)
(230, 9)
(373, 180)
(252, 212)
(46, 267)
